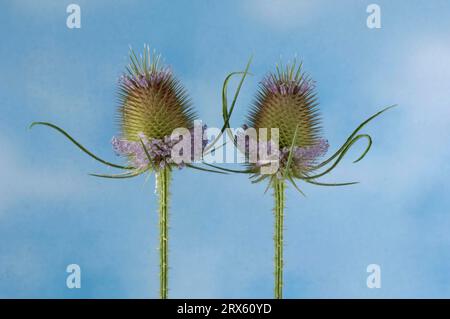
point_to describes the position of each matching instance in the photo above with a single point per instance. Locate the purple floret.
(159, 150)
(146, 80)
(302, 157)
(285, 87)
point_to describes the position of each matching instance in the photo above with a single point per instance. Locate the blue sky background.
(53, 214)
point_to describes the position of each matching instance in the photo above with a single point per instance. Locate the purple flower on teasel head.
(286, 86)
(159, 150)
(147, 79)
(303, 158)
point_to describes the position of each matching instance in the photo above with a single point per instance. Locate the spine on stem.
(163, 183)
(279, 189)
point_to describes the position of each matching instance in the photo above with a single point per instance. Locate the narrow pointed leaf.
(352, 135)
(295, 185)
(342, 154)
(227, 169)
(226, 114)
(119, 176)
(289, 161)
(81, 147)
(204, 169)
(331, 184)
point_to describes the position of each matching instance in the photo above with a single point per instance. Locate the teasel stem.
(162, 183)
(279, 189)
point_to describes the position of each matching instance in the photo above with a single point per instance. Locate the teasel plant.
(152, 104)
(287, 100)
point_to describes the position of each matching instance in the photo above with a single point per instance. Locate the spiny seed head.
(152, 100)
(287, 99)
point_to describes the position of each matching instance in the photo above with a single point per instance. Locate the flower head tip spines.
(286, 99)
(152, 100)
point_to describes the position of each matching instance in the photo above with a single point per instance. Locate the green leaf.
(206, 153)
(331, 184)
(349, 139)
(342, 154)
(225, 113)
(269, 184)
(204, 169)
(147, 154)
(259, 178)
(288, 165)
(81, 147)
(120, 176)
(295, 185)
(227, 169)
(369, 145)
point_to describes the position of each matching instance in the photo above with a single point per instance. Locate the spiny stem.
(279, 187)
(163, 181)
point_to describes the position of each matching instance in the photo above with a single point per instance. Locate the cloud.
(281, 13)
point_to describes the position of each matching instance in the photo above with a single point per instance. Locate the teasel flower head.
(152, 104)
(287, 102)
(152, 100)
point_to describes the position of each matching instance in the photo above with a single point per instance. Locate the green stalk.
(162, 183)
(279, 187)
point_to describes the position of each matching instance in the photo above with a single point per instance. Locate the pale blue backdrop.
(53, 214)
